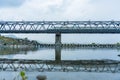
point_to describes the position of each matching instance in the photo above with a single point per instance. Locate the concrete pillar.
(58, 39)
(58, 47)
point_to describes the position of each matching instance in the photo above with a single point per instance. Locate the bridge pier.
(58, 39)
(58, 47)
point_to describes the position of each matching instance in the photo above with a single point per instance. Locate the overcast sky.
(63, 10)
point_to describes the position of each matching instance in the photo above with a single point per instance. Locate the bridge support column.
(58, 47)
(58, 39)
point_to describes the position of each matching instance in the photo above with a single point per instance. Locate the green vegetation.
(12, 41)
(23, 76)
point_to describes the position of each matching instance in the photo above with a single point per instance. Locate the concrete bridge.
(59, 27)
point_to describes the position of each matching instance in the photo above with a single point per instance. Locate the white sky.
(63, 10)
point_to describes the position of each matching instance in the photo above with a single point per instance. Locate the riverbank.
(17, 42)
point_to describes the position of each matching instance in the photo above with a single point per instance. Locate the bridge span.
(59, 27)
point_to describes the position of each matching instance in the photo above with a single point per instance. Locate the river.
(64, 54)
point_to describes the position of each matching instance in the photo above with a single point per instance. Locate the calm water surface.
(66, 54)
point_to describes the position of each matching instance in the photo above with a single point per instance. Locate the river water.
(64, 54)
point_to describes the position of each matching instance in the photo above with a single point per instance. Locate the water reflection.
(58, 53)
(58, 64)
(61, 66)
(58, 60)
(12, 50)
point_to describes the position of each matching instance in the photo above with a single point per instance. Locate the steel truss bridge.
(110, 66)
(59, 26)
